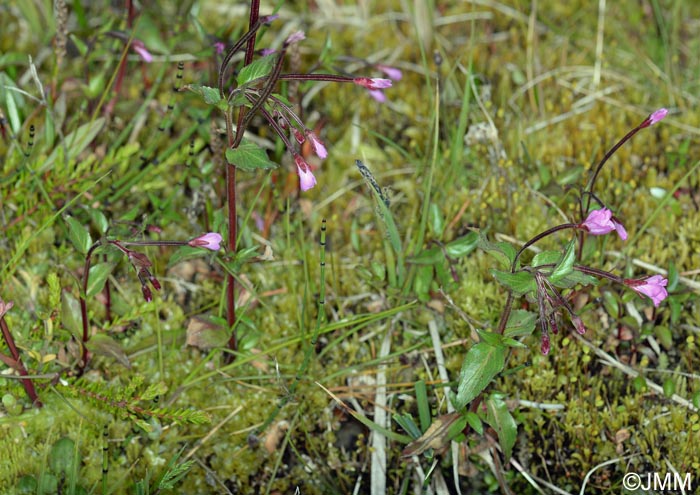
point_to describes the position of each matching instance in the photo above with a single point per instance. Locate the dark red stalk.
(233, 141)
(14, 352)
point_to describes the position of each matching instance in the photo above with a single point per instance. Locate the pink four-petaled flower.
(655, 117)
(372, 83)
(210, 240)
(319, 148)
(306, 177)
(140, 48)
(653, 287)
(601, 222)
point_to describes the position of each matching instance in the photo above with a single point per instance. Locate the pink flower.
(375, 83)
(653, 287)
(219, 47)
(319, 148)
(211, 240)
(5, 307)
(601, 222)
(391, 72)
(306, 177)
(657, 116)
(140, 48)
(295, 38)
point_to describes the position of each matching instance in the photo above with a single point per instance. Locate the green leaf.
(421, 284)
(500, 419)
(462, 246)
(75, 142)
(502, 251)
(575, 278)
(546, 258)
(491, 338)
(481, 364)
(78, 235)
(520, 323)
(249, 156)
(565, 266)
(475, 422)
(257, 69)
(70, 315)
(430, 256)
(513, 343)
(210, 95)
(99, 274)
(444, 276)
(673, 277)
(519, 282)
(99, 220)
(406, 422)
(436, 220)
(423, 404)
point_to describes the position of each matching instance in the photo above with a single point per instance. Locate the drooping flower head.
(295, 38)
(653, 287)
(210, 240)
(219, 47)
(601, 222)
(319, 148)
(306, 177)
(140, 48)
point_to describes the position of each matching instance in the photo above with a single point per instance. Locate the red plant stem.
(83, 306)
(26, 382)
(607, 156)
(233, 142)
(599, 273)
(316, 77)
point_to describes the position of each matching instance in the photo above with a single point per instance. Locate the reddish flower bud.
(147, 295)
(545, 345)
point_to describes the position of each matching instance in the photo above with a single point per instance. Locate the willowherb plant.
(253, 93)
(543, 281)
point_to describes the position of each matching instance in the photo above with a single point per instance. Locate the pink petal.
(391, 72)
(306, 177)
(657, 116)
(143, 53)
